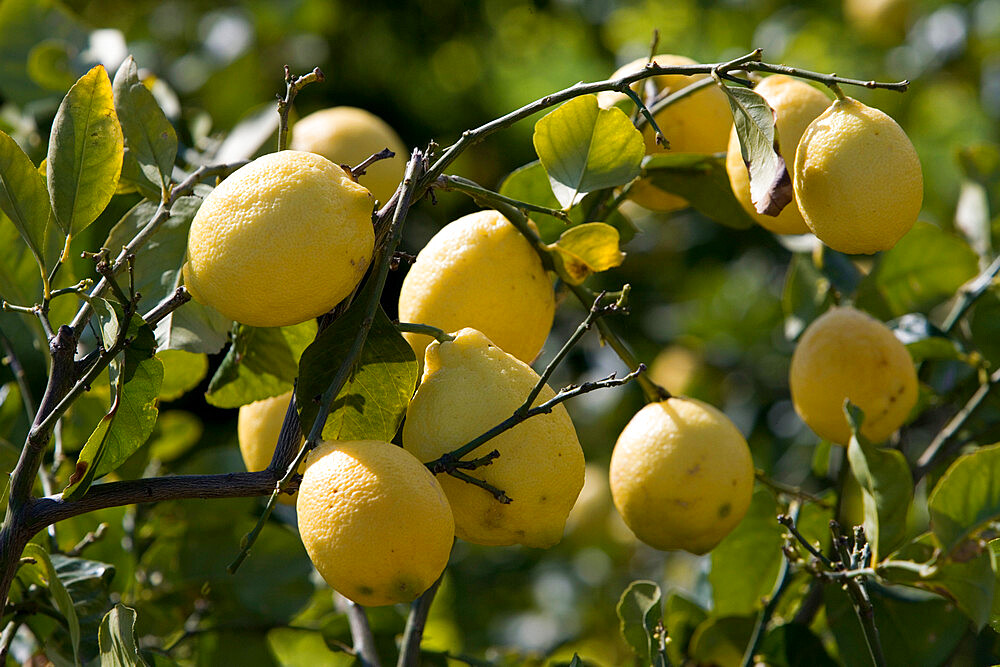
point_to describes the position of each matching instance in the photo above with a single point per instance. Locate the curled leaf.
(585, 249)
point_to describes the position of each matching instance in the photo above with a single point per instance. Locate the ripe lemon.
(681, 475)
(857, 179)
(480, 272)
(257, 427)
(282, 240)
(374, 521)
(846, 353)
(698, 123)
(348, 135)
(795, 104)
(469, 386)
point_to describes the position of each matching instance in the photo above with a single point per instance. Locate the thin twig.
(789, 490)
(789, 523)
(970, 293)
(293, 84)
(361, 632)
(360, 169)
(930, 455)
(473, 189)
(409, 654)
(167, 306)
(10, 358)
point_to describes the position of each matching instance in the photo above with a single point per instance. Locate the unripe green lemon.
(698, 123)
(258, 426)
(348, 135)
(857, 179)
(280, 241)
(681, 475)
(848, 354)
(374, 521)
(470, 385)
(480, 272)
(795, 104)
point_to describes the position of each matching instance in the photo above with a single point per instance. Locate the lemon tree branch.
(293, 84)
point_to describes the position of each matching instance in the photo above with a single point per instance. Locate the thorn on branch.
(359, 170)
(399, 258)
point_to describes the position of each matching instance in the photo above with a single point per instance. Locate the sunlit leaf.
(298, 647)
(721, 640)
(886, 483)
(372, 404)
(182, 371)
(262, 362)
(149, 137)
(23, 197)
(965, 498)
(64, 603)
(770, 182)
(117, 638)
(132, 415)
(967, 578)
(585, 148)
(85, 152)
(702, 181)
(746, 563)
(681, 618)
(586, 249)
(640, 616)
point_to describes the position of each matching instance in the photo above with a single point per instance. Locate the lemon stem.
(832, 85)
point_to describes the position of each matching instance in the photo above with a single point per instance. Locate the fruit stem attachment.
(293, 84)
(832, 85)
(427, 330)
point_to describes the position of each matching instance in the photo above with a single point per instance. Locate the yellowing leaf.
(585, 249)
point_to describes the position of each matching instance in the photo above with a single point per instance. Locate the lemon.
(681, 475)
(348, 135)
(282, 240)
(374, 521)
(698, 123)
(882, 21)
(257, 427)
(843, 354)
(480, 272)
(470, 385)
(857, 179)
(795, 104)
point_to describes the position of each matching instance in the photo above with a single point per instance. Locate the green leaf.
(177, 431)
(794, 645)
(746, 563)
(918, 630)
(702, 181)
(262, 362)
(584, 250)
(85, 152)
(297, 647)
(721, 640)
(681, 618)
(149, 137)
(886, 483)
(806, 295)
(24, 24)
(585, 148)
(23, 197)
(50, 64)
(64, 603)
(117, 638)
(182, 371)
(926, 267)
(640, 615)
(372, 404)
(132, 415)
(770, 182)
(967, 579)
(924, 340)
(192, 327)
(966, 497)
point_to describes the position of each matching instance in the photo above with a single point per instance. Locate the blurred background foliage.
(707, 309)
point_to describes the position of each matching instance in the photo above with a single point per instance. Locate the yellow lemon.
(882, 21)
(795, 104)
(843, 354)
(681, 475)
(282, 240)
(480, 272)
(470, 385)
(698, 123)
(257, 427)
(348, 135)
(374, 521)
(857, 179)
